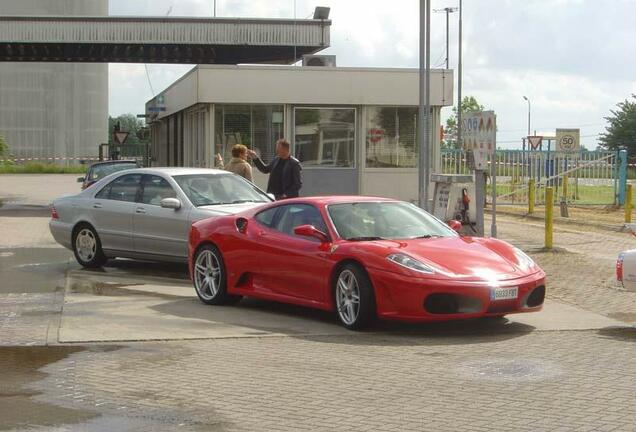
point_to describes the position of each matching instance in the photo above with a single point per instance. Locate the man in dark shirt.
(284, 172)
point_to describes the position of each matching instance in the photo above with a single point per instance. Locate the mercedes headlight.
(410, 263)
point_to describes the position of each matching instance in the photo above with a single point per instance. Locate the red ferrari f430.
(363, 258)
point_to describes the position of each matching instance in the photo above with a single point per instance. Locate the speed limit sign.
(567, 140)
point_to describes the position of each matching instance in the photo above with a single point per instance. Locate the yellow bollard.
(549, 210)
(565, 188)
(531, 191)
(628, 204)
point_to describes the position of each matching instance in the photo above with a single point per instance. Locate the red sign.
(375, 135)
(535, 141)
(121, 137)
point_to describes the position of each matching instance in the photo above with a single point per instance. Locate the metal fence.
(591, 178)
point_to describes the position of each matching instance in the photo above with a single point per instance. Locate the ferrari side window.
(295, 215)
(266, 217)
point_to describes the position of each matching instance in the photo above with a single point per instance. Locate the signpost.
(568, 140)
(479, 136)
(121, 137)
(535, 142)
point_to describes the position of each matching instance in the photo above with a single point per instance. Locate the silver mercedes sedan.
(146, 213)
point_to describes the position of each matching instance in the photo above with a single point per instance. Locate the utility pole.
(425, 104)
(214, 8)
(459, 81)
(448, 11)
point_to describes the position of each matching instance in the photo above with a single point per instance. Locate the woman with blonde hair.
(238, 164)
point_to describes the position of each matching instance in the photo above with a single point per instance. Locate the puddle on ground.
(33, 270)
(624, 334)
(509, 370)
(20, 367)
(628, 317)
(108, 289)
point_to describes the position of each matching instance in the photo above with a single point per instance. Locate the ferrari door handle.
(97, 205)
(141, 210)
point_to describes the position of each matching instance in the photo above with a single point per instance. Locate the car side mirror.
(455, 225)
(310, 231)
(171, 203)
(81, 179)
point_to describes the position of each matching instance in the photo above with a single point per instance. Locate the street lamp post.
(528, 100)
(424, 104)
(523, 154)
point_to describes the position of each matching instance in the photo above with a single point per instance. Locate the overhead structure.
(113, 39)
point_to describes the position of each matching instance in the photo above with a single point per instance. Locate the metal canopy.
(160, 40)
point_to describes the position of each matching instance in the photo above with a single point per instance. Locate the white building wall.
(50, 110)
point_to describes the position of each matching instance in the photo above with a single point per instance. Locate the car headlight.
(524, 260)
(410, 263)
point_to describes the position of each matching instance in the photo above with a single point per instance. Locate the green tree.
(469, 104)
(621, 132)
(128, 123)
(4, 148)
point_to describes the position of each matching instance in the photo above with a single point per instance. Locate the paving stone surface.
(536, 381)
(582, 269)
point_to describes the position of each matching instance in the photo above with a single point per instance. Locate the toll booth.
(449, 200)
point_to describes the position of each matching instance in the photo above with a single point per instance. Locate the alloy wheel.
(86, 244)
(348, 297)
(207, 275)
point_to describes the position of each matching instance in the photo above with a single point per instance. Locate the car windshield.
(218, 189)
(100, 171)
(385, 220)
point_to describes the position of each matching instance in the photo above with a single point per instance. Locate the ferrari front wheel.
(354, 297)
(209, 277)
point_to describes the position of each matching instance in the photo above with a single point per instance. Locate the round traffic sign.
(567, 142)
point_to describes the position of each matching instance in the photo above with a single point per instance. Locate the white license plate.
(508, 293)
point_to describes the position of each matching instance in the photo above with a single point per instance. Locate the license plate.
(508, 293)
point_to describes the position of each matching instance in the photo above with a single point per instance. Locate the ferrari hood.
(465, 257)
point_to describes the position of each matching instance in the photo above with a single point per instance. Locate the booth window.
(391, 137)
(325, 137)
(256, 126)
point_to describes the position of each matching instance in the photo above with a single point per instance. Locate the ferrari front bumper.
(419, 299)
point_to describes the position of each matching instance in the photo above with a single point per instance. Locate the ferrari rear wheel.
(354, 298)
(209, 277)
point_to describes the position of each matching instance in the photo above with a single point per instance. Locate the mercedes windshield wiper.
(368, 238)
(425, 236)
(228, 203)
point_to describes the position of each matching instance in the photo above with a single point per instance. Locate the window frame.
(354, 156)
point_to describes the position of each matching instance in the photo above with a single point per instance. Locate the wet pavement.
(130, 348)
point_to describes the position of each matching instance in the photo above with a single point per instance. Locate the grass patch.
(586, 195)
(41, 168)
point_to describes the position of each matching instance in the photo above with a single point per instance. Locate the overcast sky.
(574, 59)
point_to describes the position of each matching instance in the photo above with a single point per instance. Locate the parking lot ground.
(130, 348)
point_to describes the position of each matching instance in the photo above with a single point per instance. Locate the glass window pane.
(156, 189)
(391, 137)
(256, 126)
(267, 217)
(325, 137)
(295, 215)
(125, 188)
